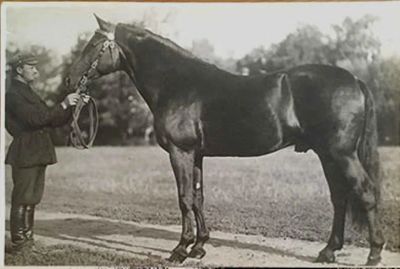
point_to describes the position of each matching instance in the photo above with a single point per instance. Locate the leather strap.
(77, 137)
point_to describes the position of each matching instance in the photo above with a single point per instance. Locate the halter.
(76, 136)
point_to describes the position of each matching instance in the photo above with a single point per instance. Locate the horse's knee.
(185, 203)
(198, 201)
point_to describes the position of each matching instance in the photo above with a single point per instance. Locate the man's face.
(28, 72)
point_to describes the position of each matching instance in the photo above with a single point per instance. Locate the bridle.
(76, 135)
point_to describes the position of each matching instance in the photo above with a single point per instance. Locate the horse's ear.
(104, 25)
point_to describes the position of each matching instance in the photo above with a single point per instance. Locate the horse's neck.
(154, 69)
(162, 64)
(149, 94)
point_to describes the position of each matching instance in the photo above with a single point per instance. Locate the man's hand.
(85, 98)
(71, 100)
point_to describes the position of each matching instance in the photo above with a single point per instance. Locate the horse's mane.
(162, 40)
(176, 49)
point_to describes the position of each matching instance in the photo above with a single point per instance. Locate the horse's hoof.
(325, 257)
(178, 255)
(373, 261)
(197, 253)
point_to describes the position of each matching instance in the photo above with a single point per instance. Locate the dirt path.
(224, 249)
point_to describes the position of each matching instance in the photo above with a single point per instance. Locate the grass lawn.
(61, 255)
(279, 195)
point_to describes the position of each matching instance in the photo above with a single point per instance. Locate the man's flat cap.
(23, 58)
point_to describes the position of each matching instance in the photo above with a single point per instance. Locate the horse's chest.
(179, 124)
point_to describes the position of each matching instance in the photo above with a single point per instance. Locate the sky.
(234, 29)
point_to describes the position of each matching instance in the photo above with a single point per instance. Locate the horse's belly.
(245, 137)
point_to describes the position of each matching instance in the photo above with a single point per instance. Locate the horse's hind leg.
(339, 190)
(366, 203)
(182, 163)
(362, 198)
(202, 231)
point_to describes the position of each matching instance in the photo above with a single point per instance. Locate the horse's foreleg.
(339, 190)
(202, 231)
(182, 163)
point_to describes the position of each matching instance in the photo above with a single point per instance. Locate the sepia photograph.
(200, 134)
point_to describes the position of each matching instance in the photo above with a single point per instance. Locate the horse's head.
(101, 56)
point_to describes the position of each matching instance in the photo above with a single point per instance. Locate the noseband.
(76, 136)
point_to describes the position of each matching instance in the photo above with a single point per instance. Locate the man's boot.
(29, 219)
(17, 226)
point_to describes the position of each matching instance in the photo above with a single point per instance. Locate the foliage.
(388, 81)
(354, 40)
(49, 78)
(203, 49)
(124, 116)
(352, 43)
(354, 47)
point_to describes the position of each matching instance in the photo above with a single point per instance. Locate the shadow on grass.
(86, 231)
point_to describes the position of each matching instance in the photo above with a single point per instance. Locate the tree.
(203, 49)
(388, 81)
(353, 47)
(306, 45)
(354, 41)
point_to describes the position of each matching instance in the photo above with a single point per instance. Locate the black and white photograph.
(200, 134)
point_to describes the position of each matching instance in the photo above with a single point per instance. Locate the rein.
(77, 137)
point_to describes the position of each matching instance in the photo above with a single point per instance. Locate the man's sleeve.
(62, 118)
(31, 114)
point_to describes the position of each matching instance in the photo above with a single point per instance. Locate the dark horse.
(200, 110)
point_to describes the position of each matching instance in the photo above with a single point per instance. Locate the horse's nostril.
(67, 81)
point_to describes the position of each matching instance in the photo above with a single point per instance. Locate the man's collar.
(24, 89)
(18, 78)
(20, 83)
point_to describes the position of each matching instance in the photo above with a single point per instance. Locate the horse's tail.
(368, 155)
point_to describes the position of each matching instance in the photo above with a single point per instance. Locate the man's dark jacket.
(28, 119)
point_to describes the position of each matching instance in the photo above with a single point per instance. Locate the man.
(28, 120)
